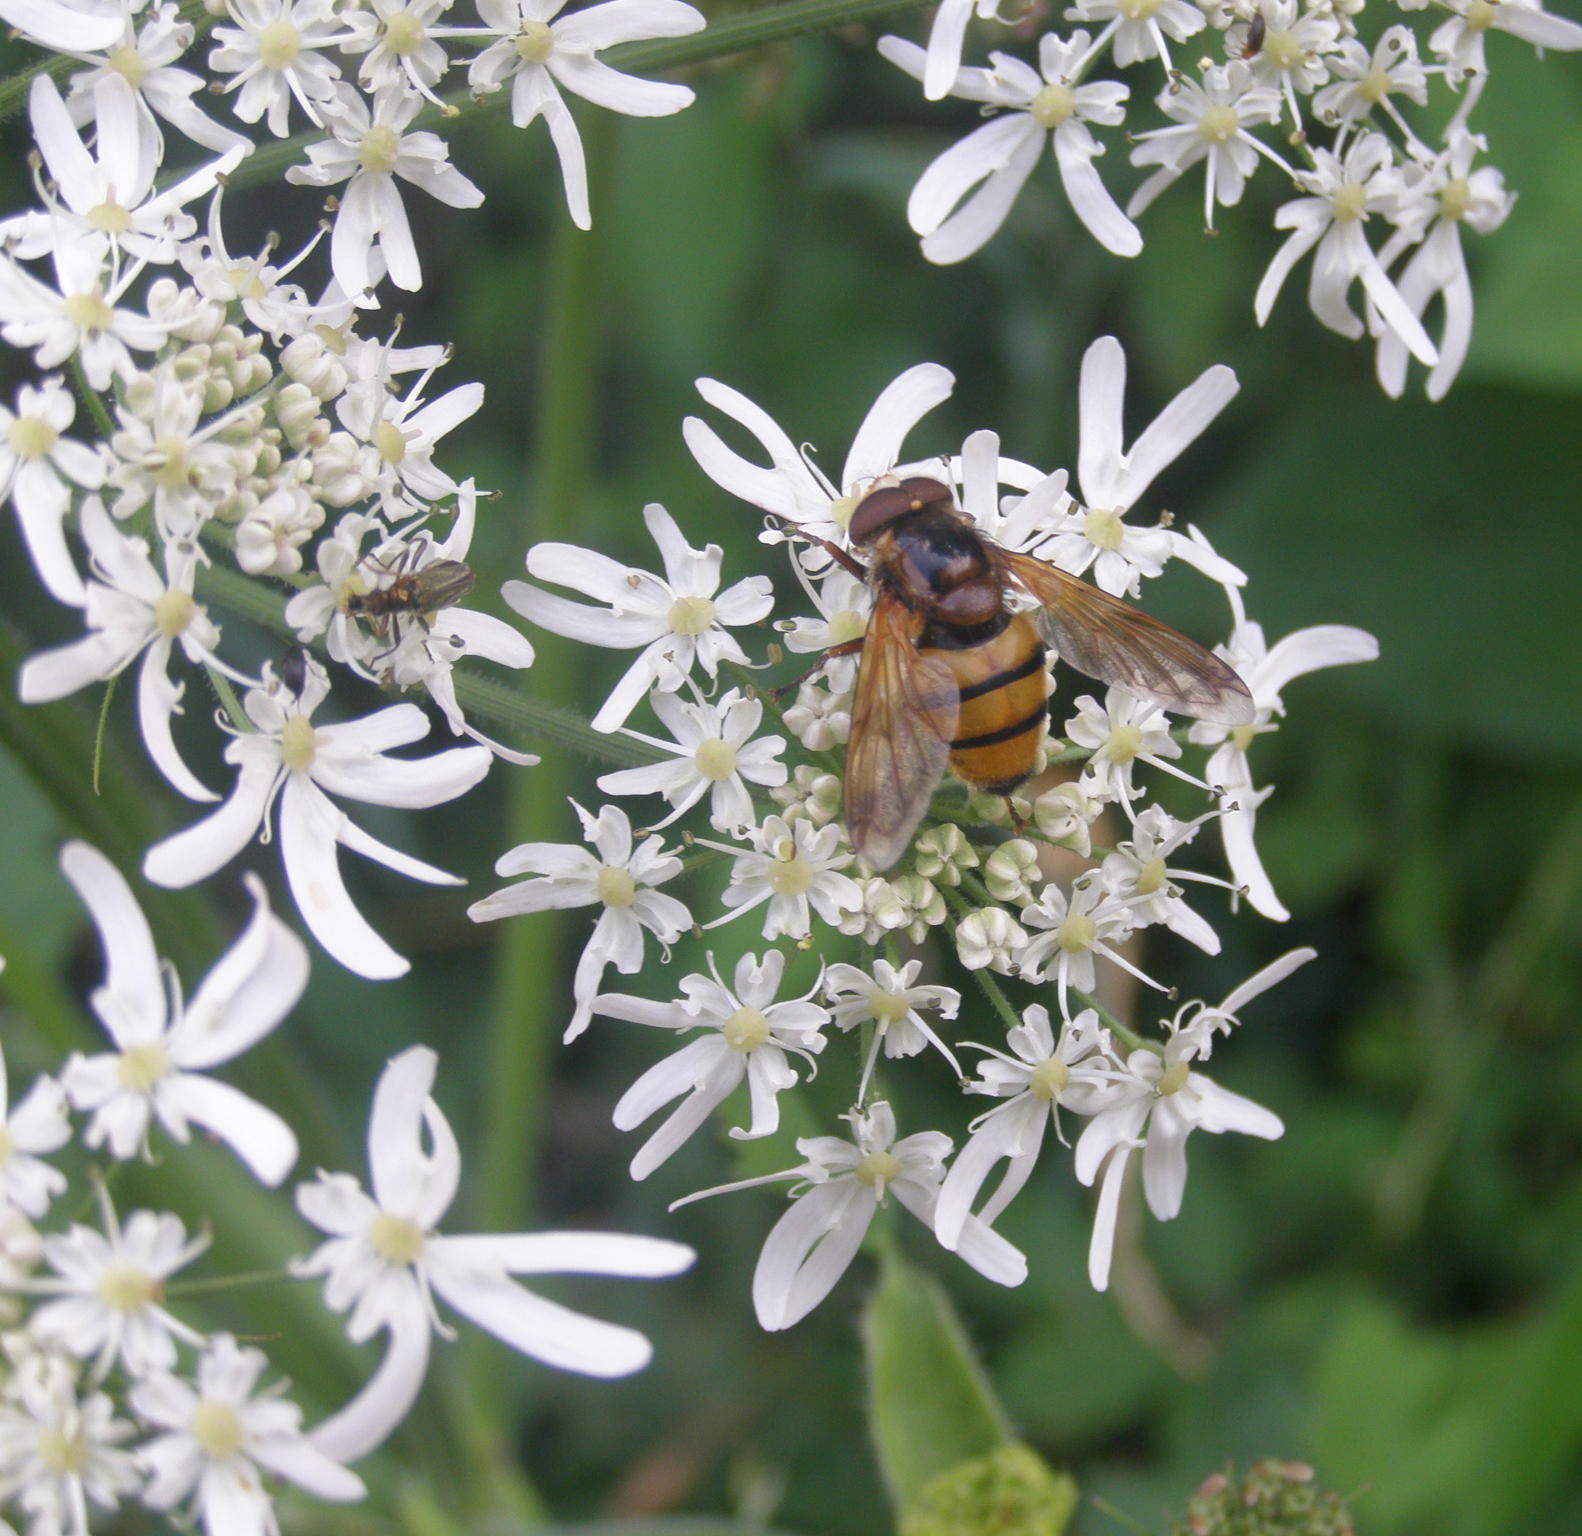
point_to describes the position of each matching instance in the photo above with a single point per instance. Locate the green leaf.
(1010, 1492)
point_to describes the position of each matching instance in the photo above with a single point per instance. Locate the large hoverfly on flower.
(952, 671)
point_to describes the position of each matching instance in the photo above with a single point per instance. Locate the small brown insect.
(1257, 30)
(413, 594)
(952, 671)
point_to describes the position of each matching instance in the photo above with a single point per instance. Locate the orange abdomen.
(1004, 703)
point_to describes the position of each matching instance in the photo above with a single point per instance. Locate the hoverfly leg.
(1019, 823)
(845, 648)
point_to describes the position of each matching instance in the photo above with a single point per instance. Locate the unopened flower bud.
(942, 853)
(990, 938)
(1012, 870)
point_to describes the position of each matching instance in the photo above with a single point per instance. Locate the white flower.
(749, 1035)
(1458, 41)
(398, 44)
(1159, 1097)
(59, 1451)
(387, 1265)
(109, 1289)
(276, 54)
(1136, 29)
(791, 486)
(36, 1124)
(163, 1046)
(1091, 921)
(679, 620)
(1113, 478)
(1266, 670)
(289, 759)
(621, 879)
(796, 868)
(1345, 191)
(129, 608)
(845, 1183)
(39, 468)
(842, 602)
(946, 34)
(1212, 121)
(220, 1439)
(1034, 1078)
(1136, 873)
(713, 754)
(956, 220)
(1462, 196)
(62, 26)
(1367, 80)
(1297, 44)
(368, 151)
(889, 998)
(1121, 732)
(540, 56)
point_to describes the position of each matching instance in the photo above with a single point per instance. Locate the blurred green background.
(1392, 1292)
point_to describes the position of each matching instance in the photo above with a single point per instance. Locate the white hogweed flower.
(795, 868)
(890, 999)
(36, 1124)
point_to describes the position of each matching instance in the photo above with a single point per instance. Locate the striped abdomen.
(1004, 701)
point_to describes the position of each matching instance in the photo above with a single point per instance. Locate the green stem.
(185, 1289)
(729, 35)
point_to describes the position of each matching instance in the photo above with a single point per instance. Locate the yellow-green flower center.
(841, 509)
(217, 1427)
(298, 744)
(1174, 1078)
(888, 1007)
(1480, 15)
(404, 33)
(127, 62)
(1124, 743)
(847, 624)
(31, 437)
(535, 42)
(1241, 736)
(1349, 202)
(110, 217)
(1138, 10)
(174, 611)
(390, 440)
(128, 1288)
(1151, 877)
(746, 1029)
(89, 311)
(789, 874)
(1283, 50)
(1456, 199)
(1374, 86)
(615, 886)
(246, 282)
(380, 148)
(141, 1066)
(715, 759)
(1103, 528)
(395, 1239)
(63, 1451)
(278, 45)
(168, 462)
(1048, 1079)
(1076, 933)
(690, 616)
(1218, 125)
(1053, 105)
(877, 1169)
(7, 1145)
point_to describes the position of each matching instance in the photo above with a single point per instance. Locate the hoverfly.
(411, 594)
(952, 670)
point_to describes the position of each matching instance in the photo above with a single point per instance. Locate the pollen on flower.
(278, 45)
(841, 509)
(127, 1288)
(167, 461)
(62, 1450)
(1048, 1079)
(1374, 86)
(404, 32)
(615, 886)
(1103, 528)
(1151, 877)
(847, 624)
(141, 1066)
(173, 612)
(1455, 199)
(89, 311)
(1123, 745)
(1283, 50)
(380, 148)
(395, 1239)
(110, 217)
(390, 440)
(746, 1029)
(715, 759)
(1173, 1079)
(1076, 933)
(1349, 202)
(127, 62)
(789, 874)
(298, 744)
(878, 1169)
(1241, 736)
(535, 42)
(1480, 15)
(31, 437)
(888, 1007)
(1218, 125)
(1053, 105)
(218, 1429)
(690, 616)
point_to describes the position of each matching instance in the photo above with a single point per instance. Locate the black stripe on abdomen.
(1005, 733)
(1034, 663)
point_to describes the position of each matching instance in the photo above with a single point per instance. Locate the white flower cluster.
(1312, 88)
(111, 1391)
(981, 872)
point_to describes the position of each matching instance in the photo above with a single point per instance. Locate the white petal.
(902, 403)
(131, 962)
(157, 698)
(576, 1253)
(605, 87)
(255, 1134)
(1075, 153)
(368, 1420)
(808, 1250)
(190, 856)
(1309, 650)
(1179, 424)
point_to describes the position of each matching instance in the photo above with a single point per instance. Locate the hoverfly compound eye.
(878, 509)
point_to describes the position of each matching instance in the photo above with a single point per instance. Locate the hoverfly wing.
(443, 583)
(902, 721)
(1116, 643)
